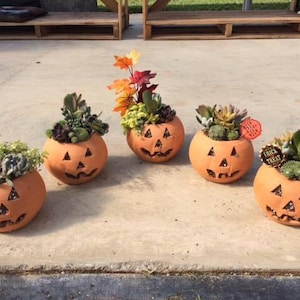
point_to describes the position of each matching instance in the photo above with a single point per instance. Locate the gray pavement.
(140, 217)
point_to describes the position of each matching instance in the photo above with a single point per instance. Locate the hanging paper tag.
(272, 156)
(250, 129)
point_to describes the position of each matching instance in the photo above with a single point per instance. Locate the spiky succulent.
(290, 145)
(229, 116)
(221, 122)
(17, 159)
(78, 123)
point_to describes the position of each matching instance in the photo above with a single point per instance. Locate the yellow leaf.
(134, 56)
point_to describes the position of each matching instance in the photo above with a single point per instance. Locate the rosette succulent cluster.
(137, 102)
(17, 159)
(78, 123)
(221, 122)
(290, 147)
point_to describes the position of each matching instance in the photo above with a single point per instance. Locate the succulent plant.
(291, 169)
(78, 123)
(17, 159)
(289, 143)
(222, 122)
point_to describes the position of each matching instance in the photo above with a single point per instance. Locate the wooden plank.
(221, 17)
(212, 33)
(70, 25)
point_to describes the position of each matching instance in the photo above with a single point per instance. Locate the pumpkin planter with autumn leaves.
(154, 132)
(76, 150)
(223, 152)
(277, 182)
(22, 189)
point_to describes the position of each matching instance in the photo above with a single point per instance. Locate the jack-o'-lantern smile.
(213, 174)
(80, 174)
(282, 217)
(10, 222)
(156, 153)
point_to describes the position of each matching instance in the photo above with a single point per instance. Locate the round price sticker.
(250, 129)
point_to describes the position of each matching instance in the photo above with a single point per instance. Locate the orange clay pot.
(21, 203)
(158, 142)
(220, 161)
(278, 196)
(76, 163)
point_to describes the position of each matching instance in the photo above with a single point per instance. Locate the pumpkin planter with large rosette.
(277, 182)
(76, 150)
(154, 132)
(22, 189)
(223, 151)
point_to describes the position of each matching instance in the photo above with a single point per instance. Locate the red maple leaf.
(142, 77)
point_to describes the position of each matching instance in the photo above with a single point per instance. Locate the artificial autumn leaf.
(123, 62)
(124, 101)
(120, 85)
(134, 56)
(142, 77)
(144, 88)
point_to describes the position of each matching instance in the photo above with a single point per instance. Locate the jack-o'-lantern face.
(220, 161)
(76, 163)
(20, 204)
(158, 143)
(278, 197)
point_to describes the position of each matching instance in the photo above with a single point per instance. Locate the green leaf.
(203, 111)
(70, 102)
(151, 105)
(296, 140)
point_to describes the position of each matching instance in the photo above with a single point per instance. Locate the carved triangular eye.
(290, 206)
(88, 152)
(148, 134)
(3, 209)
(67, 156)
(277, 191)
(13, 195)
(211, 152)
(167, 133)
(234, 153)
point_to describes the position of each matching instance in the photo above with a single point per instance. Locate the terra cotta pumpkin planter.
(278, 196)
(20, 204)
(158, 142)
(220, 161)
(76, 163)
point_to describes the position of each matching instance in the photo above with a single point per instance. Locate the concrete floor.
(136, 216)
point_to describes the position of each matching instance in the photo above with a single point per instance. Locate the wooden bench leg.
(116, 32)
(297, 27)
(147, 32)
(41, 30)
(226, 29)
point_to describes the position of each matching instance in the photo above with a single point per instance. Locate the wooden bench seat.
(219, 24)
(70, 25)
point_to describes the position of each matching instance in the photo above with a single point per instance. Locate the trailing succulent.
(137, 102)
(18, 159)
(221, 123)
(78, 123)
(290, 147)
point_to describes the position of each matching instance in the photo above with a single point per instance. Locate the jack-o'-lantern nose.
(224, 163)
(3, 209)
(158, 144)
(80, 165)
